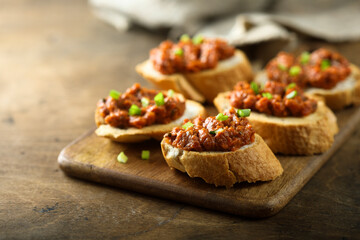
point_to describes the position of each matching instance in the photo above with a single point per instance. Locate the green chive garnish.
(267, 95)
(114, 94)
(187, 125)
(145, 102)
(282, 67)
(178, 52)
(197, 39)
(159, 99)
(122, 157)
(244, 112)
(184, 38)
(295, 70)
(170, 93)
(254, 87)
(291, 85)
(222, 117)
(325, 64)
(145, 154)
(216, 131)
(291, 95)
(305, 57)
(134, 110)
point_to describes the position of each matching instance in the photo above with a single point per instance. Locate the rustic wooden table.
(56, 60)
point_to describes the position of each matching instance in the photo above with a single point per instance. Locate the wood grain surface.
(56, 60)
(94, 158)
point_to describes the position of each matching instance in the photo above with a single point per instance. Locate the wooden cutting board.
(94, 158)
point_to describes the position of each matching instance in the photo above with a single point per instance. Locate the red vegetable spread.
(278, 70)
(116, 111)
(276, 99)
(322, 69)
(211, 134)
(326, 76)
(187, 57)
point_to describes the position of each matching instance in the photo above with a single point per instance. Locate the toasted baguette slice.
(177, 81)
(192, 110)
(204, 85)
(345, 93)
(253, 162)
(292, 135)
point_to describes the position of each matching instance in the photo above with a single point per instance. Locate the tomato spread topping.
(286, 70)
(189, 56)
(229, 133)
(275, 98)
(322, 69)
(325, 69)
(139, 107)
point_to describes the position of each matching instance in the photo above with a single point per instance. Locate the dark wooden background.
(56, 61)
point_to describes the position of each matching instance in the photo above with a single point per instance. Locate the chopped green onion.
(134, 110)
(267, 95)
(222, 117)
(291, 85)
(178, 52)
(145, 154)
(325, 64)
(184, 38)
(216, 131)
(282, 67)
(187, 125)
(305, 57)
(114, 94)
(122, 157)
(197, 39)
(244, 112)
(145, 102)
(291, 95)
(159, 99)
(254, 87)
(294, 71)
(170, 93)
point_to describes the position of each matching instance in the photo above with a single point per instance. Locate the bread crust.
(130, 135)
(177, 81)
(344, 94)
(292, 135)
(204, 85)
(251, 163)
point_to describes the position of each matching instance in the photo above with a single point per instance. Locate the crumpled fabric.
(241, 22)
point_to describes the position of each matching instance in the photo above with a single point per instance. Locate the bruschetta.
(322, 73)
(139, 114)
(289, 122)
(199, 68)
(222, 150)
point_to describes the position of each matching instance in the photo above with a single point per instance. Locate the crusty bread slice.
(253, 162)
(177, 81)
(192, 110)
(204, 85)
(345, 93)
(292, 135)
